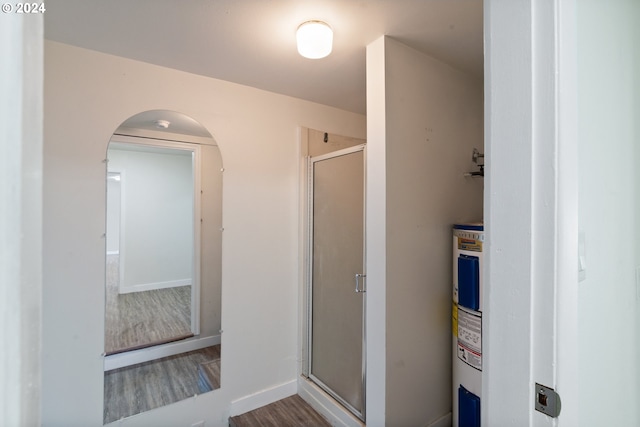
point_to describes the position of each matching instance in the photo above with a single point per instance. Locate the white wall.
(87, 96)
(157, 217)
(433, 119)
(609, 154)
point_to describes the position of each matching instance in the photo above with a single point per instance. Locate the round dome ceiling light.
(315, 39)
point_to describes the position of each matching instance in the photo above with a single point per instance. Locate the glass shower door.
(337, 282)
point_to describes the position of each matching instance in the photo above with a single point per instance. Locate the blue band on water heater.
(468, 408)
(473, 227)
(469, 281)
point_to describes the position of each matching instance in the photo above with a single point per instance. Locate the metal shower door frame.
(309, 278)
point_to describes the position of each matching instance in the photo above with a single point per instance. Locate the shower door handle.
(359, 276)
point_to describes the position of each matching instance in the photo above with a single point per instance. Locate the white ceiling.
(252, 42)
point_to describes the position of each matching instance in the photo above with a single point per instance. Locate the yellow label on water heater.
(454, 319)
(469, 240)
(469, 244)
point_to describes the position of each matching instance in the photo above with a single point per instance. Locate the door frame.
(194, 148)
(318, 398)
(531, 191)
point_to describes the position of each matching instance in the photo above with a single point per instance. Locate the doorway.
(336, 295)
(152, 280)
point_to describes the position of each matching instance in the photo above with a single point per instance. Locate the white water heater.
(467, 323)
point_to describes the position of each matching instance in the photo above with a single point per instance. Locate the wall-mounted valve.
(478, 158)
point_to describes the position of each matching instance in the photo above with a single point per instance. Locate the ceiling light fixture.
(162, 124)
(315, 39)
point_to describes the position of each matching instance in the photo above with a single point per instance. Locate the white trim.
(113, 252)
(567, 296)
(303, 249)
(21, 214)
(153, 286)
(134, 357)
(544, 199)
(197, 238)
(338, 153)
(326, 406)
(263, 398)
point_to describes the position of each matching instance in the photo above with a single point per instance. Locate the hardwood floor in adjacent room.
(139, 388)
(292, 411)
(141, 319)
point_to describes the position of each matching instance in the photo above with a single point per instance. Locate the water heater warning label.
(470, 337)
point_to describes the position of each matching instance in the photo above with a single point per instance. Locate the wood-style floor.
(139, 388)
(141, 319)
(290, 412)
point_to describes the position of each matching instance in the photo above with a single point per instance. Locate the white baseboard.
(325, 405)
(134, 357)
(152, 286)
(263, 398)
(443, 421)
